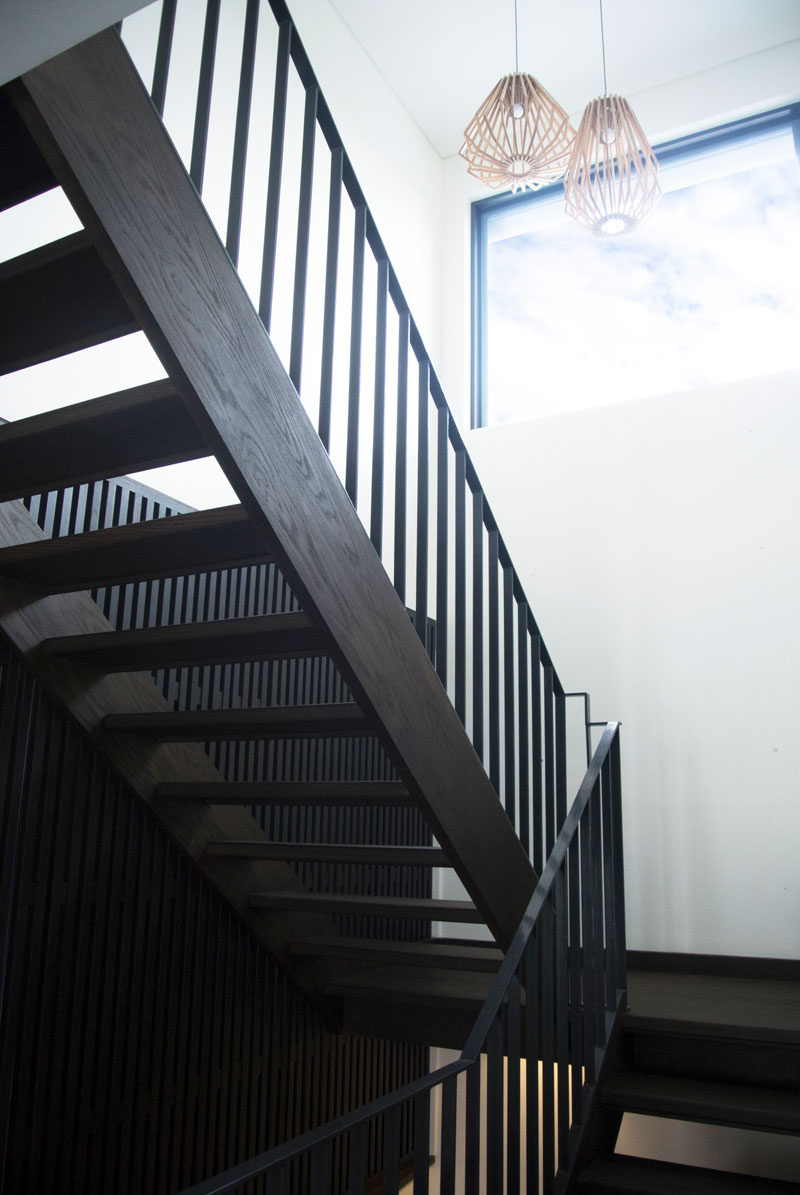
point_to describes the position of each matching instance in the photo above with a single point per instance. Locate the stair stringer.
(97, 129)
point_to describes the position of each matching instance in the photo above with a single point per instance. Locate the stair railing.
(296, 223)
(554, 1001)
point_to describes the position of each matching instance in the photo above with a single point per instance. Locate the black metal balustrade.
(363, 373)
(533, 1056)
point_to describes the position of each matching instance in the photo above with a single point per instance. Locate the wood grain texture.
(430, 953)
(26, 618)
(167, 547)
(270, 722)
(316, 792)
(140, 428)
(100, 135)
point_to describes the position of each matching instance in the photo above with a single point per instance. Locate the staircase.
(545, 982)
(708, 1041)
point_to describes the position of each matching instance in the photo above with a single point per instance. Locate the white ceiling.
(442, 57)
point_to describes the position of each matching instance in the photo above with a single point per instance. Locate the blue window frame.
(498, 211)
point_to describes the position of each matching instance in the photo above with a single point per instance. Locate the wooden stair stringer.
(27, 618)
(98, 131)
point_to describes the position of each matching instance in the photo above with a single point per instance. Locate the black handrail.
(570, 967)
(490, 655)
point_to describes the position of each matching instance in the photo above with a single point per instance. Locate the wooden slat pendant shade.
(519, 137)
(611, 182)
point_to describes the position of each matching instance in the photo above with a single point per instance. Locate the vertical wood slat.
(423, 484)
(239, 162)
(447, 1180)
(532, 971)
(303, 229)
(354, 386)
(203, 107)
(495, 1106)
(422, 1143)
(329, 308)
(513, 1079)
(379, 411)
(472, 1130)
(275, 172)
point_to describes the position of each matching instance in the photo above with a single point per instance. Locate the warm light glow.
(519, 137)
(611, 182)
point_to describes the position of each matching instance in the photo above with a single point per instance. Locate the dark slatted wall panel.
(145, 1038)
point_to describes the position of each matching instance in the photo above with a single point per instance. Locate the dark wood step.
(259, 637)
(370, 906)
(305, 852)
(58, 299)
(765, 1108)
(427, 954)
(135, 429)
(323, 792)
(619, 1174)
(206, 539)
(270, 722)
(25, 172)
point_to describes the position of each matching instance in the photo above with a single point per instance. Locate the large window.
(706, 290)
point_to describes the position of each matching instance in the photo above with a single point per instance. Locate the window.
(706, 290)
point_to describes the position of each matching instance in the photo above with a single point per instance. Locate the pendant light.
(611, 182)
(519, 137)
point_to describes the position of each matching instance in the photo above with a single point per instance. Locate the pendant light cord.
(516, 41)
(603, 44)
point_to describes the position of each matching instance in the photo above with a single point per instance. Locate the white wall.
(31, 31)
(657, 542)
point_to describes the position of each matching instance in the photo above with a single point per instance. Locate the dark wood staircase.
(713, 1047)
(81, 291)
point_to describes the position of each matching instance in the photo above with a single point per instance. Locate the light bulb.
(613, 225)
(608, 135)
(517, 110)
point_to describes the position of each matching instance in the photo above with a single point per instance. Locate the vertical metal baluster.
(609, 958)
(587, 953)
(422, 1142)
(275, 170)
(562, 1015)
(276, 1181)
(549, 762)
(329, 310)
(461, 584)
(494, 659)
(447, 1181)
(303, 227)
(166, 30)
(494, 1106)
(576, 1024)
(357, 1162)
(401, 457)
(391, 1151)
(477, 622)
(536, 753)
(472, 1130)
(376, 512)
(442, 602)
(203, 109)
(598, 950)
(547, 974)
(423, 470)
(319, 1176)
(523, 728)
(509, 711)
(619, 875)
(532, 1016)
(513, 1097)
(241, 130)
(359, 240)
(561, 755)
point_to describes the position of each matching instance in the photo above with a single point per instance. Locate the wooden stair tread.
(312, 792)
(25, 172)
(269, 722)
(167, 547)
(135, 429)
(685, 1098)
(620, 1174)
(430, 953)
(377, 906)
(729, 1006)
(307, 852)
(57, 299)
(257, 637)
(425, 987)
